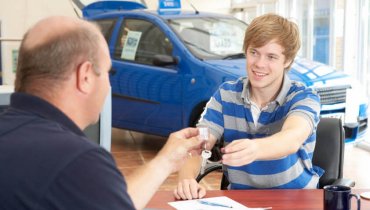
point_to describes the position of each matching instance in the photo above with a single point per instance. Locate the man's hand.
(144, 182)
(180, 146)
(189, 189)
(240, 152)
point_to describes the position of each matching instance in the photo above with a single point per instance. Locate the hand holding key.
(188, 188)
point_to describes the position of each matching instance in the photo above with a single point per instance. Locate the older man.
(46, 162)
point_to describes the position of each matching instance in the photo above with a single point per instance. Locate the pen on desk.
(213, 204)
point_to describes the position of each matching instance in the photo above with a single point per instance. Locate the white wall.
(16, 17)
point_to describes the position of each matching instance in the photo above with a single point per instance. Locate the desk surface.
(277, 199)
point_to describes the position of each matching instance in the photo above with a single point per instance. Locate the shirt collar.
(245, 95)
(287, 83)
(44, 109)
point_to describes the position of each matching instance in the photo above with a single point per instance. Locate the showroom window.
(367, 64)
(303, 14)
(364, 72)
(139, 41)
(247, 10)
(321, 31)
(322, 34)
(356, 47)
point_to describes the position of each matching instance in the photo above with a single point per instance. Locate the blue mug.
(337, 197)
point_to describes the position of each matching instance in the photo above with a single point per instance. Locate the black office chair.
(328, 155)
(329, 152)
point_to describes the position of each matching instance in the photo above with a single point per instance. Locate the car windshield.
(211, 37)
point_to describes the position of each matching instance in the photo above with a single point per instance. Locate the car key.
(206, 154)
(203, 133)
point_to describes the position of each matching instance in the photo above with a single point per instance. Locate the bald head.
(52, 48)
(50, 28)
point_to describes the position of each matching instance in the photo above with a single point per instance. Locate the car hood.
(309, 72)
(235, 67)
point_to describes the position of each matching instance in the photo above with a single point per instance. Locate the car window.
(211, 37)
(140, 40)
(106, 27)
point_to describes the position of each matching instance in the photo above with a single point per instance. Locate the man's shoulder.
(234, 85)
(44, 136)
(42, 151)
(34, 125)
(297, 86)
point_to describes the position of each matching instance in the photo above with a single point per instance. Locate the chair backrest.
(329, 150)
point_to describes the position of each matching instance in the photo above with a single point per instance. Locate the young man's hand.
(188, 189)
(240, 152)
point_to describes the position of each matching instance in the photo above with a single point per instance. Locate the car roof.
(164, 15)
(112, 9)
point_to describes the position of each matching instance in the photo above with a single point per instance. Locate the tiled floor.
(131, 149)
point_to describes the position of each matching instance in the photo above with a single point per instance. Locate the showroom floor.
(132, 149)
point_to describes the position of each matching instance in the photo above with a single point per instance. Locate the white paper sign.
(222, 38)
(131, 43)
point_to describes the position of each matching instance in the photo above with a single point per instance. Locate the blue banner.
(169, 5)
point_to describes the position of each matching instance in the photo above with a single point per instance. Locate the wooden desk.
(277, 199)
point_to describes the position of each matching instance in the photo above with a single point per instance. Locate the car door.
(146, 97)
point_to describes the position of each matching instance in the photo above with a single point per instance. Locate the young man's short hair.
(269, 27)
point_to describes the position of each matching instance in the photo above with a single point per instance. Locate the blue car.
(166, 66)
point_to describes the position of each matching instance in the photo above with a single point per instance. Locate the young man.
(46, 161)
(268, 121)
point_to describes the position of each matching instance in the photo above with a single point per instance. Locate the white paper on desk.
(195, 205)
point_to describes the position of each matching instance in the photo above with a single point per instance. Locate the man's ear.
(84, 79)
(287, 63)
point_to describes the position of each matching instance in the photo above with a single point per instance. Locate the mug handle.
(357, 198)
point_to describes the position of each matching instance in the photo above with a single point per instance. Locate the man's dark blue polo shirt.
(46, 162)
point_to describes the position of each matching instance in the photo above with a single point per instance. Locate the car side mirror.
(164, 60)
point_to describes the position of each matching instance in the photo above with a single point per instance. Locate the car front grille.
(332, 95)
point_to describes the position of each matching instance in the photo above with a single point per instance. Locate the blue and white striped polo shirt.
(229, 113)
